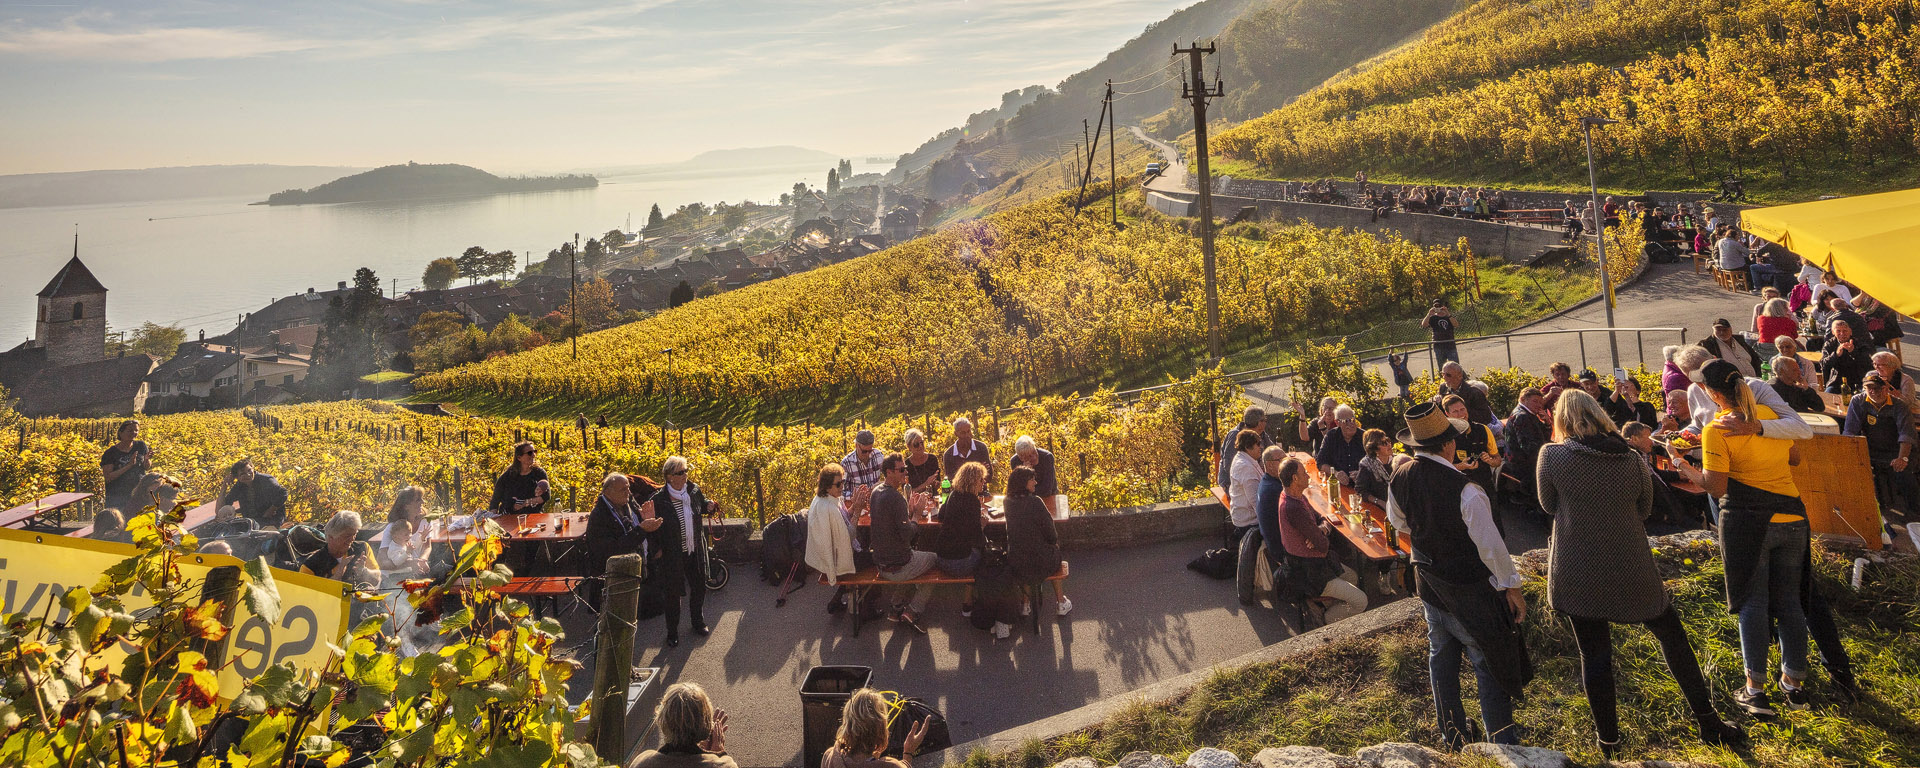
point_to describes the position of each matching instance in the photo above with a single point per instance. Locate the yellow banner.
(36, 569)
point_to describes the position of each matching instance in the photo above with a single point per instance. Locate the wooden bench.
(867, 579)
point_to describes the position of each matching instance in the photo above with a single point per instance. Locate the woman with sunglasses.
(522, 489)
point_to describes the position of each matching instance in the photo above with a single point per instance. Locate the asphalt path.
(1139, 617)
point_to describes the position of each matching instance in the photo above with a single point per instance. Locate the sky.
(517, 87)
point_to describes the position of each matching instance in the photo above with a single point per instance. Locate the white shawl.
(829, 542)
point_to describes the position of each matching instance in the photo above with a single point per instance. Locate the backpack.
(782, 544)
(996, 595)
(1217, 563)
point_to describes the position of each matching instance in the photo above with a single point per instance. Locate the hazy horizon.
(511, 89)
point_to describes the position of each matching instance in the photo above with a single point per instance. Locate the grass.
(1357, 693)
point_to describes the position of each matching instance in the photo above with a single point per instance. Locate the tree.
(434, 325)
(680, 294)
(833, 181)
(654, 218)
(473, 264)
(596, 304)
(502, 263)
(349, 341)
(786, 199)
(799, 191)
(595, 256)
(161, 341)
(442, 340)
(735, 217)
(440, 274)
(510, 336)
(709, 288)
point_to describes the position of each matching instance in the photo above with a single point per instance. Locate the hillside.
(29, 190)
(1052, 302)
(416, 182)
(1801, 95)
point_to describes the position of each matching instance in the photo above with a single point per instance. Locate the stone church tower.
(72, 320)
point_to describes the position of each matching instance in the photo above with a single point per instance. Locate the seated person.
(1033, 543)
(1376, 469)
(1846, 358)
(345, 557)
(1733, 348)
(1898, 382)
(1800, 395)
(255, 495)
(1789, 346)
(1625, 405)
(523, 488)
(226, 522)
(403, 547)
(110, 525)
(1885, 422)
(1297, 537)
(1668, 503)
(1475, 453)
(1679, 412)
(693, 732)
(1028, 454)
(1559, 379)
(1341, 450)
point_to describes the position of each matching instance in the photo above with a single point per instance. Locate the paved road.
(1173, 173)
(1668, 296)
(1139, 617)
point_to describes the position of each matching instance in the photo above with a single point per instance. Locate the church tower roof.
(74, 279)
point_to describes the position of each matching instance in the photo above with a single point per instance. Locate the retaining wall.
(1507, 241)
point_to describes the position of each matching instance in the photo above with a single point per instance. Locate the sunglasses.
(681, 473)
(529, 453)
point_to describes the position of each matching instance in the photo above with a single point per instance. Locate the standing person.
(862, 739)
(680, 546)
(965, 449)
(892, 533)
(1439, 321)
(123, 464)
(1299, 539)
(1255, 419)
(923, 468)
(1341, 450)
(1045, 473)
(1243, 489)
(862, 465)
(1764, 537)
(1600, 570)
(1467, 583)
(693, 733)
(1883, 419)
(1453, 381)
(523, 488)
(255, 496)
(1033, 543)
(1474, 453)
(619, 524)
(1402, 378)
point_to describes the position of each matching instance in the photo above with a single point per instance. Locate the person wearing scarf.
(679, 548)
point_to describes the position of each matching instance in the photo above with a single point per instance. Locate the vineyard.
(1023, 302)
(356, 455)
(1791, 91)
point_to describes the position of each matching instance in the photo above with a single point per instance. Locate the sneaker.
(1002, 630)
(1063, 607)
(1026, 608)
(1797, 699)
(966, 610)
(912, 621)
(1753, 702)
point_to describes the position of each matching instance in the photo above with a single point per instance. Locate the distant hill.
(30, 190)
(415, 182)
(756, 157)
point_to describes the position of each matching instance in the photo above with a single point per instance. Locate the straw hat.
(1429, 427)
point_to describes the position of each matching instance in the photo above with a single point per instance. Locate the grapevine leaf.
(262, 595)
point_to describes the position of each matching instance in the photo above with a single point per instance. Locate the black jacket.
(264, 501)
(961, 528)
(608, 535)
(664, 545)
(1033, 544)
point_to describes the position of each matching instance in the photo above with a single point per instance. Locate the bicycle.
(717, 534)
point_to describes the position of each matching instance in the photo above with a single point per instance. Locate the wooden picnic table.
(196, 517)
(1377, 558)
(538, 527)
(996, 514)
(29, 513)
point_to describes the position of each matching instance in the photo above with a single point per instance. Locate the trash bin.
(823, 697)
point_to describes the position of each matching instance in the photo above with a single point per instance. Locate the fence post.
(1583, 349)
(621, 595)
(459, 495)
(1509, 341)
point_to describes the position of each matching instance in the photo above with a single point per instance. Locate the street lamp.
(1600, 234)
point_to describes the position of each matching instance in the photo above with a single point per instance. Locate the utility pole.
(573, 291)
(394, 292)
(1196, 91)
(1600, 235)
(1113, 171)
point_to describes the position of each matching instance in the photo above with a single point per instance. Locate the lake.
(200, 263)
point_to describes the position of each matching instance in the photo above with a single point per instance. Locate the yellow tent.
(1872, 241)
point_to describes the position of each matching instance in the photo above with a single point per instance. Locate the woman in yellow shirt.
(1763, 537)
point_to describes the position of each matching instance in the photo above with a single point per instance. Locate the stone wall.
(1513, 243)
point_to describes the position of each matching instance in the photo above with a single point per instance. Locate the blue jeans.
(962, 567)
(1773, 596)
(1446, 639)
(1760, 276)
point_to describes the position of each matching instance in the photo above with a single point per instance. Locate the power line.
(1170, 65)
(1163, 84)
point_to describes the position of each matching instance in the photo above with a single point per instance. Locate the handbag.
(904, 713)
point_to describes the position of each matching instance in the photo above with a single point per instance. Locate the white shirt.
(1477, 511)
(1788, 426)
(1822, 288)
(1245, 490)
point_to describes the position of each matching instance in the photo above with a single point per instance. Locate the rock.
(1208, 757)
(1302, 757)
(1507, 756)
(1400, 755)
(1078, 762)
(1146, 760)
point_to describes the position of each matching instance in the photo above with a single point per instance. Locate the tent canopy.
(1872, 241)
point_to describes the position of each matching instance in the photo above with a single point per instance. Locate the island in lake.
(414, 181)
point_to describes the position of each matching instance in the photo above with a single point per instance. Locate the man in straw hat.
(1467, 582)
